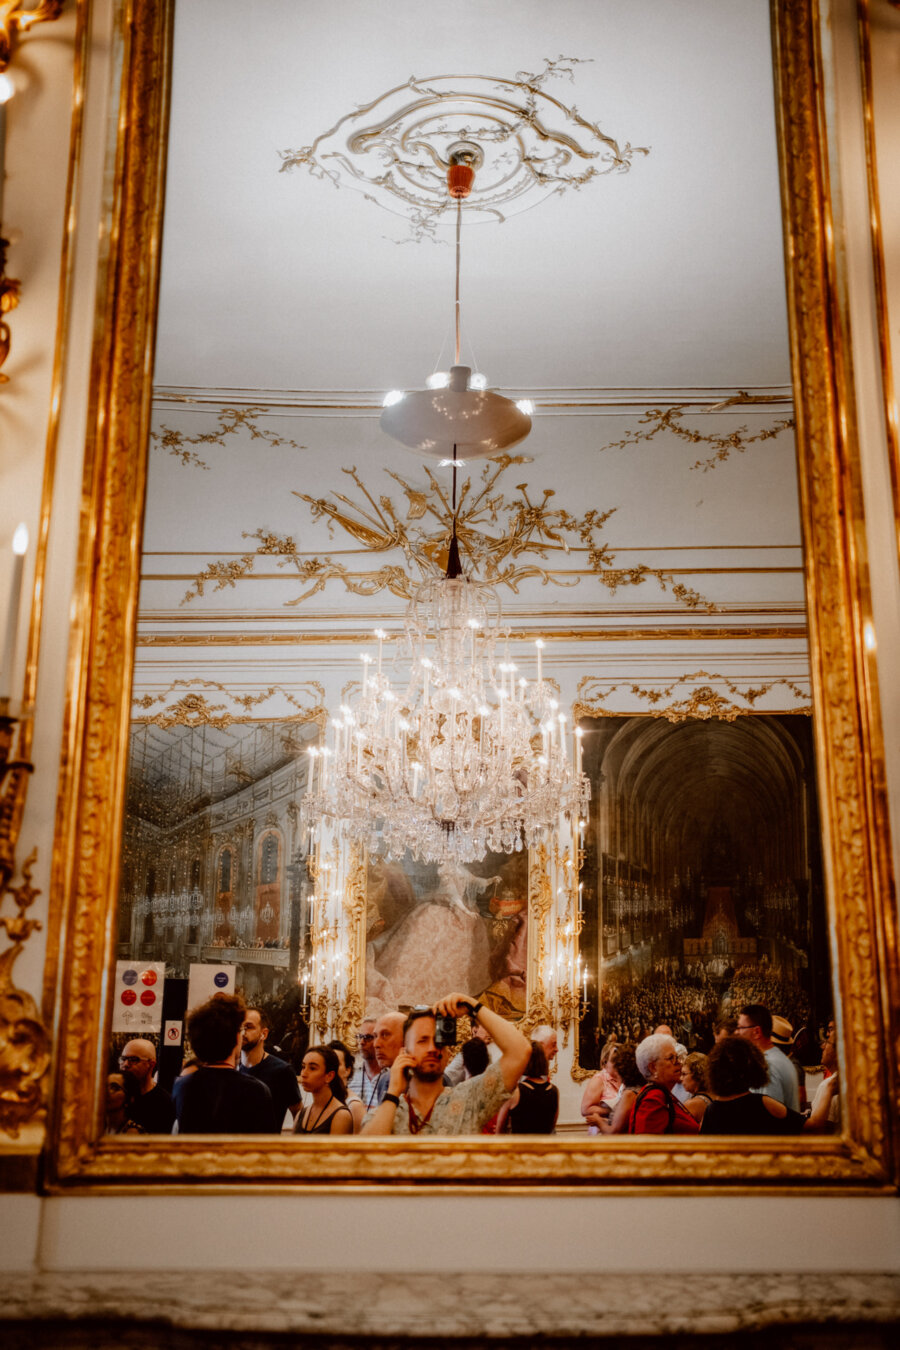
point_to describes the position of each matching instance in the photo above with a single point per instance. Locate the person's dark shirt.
(154, 1111)
(222, 1101)
(281, 1081)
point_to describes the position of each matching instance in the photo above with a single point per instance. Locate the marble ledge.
(464, 1305)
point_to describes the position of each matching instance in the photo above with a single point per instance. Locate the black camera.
(445, 1031)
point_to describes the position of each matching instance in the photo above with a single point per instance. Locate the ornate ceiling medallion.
(397, 149)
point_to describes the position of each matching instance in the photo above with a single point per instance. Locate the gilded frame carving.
(847, 730)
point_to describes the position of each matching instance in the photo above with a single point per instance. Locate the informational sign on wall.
(172, 1035)
(138, 998)
(205, 980)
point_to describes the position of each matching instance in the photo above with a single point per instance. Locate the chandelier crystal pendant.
(465, 756)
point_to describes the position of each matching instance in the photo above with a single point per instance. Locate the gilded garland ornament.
(506, 538)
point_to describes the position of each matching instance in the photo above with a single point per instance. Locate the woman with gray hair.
(655, 1110)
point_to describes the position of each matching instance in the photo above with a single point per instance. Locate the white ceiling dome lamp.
(454, 411)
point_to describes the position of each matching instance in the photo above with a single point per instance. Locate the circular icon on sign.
(172, 1034)
(129, 977)
(220, 980)
(129, 997)
(148, 977)
(148, 997)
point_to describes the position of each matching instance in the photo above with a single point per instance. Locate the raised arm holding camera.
(417, 1102)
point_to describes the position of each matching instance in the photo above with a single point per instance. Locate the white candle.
(540, 647)
(7, 664)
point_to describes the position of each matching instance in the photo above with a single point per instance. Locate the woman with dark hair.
(353, 1102)
(320, 1076)
(623, 1061)
(534, 1106)
(736, 1067)
(695, 1080)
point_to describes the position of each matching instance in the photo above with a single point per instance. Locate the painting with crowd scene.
(703, 878)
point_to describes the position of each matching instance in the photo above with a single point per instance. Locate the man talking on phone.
(417, 1102)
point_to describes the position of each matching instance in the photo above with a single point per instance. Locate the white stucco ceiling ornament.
(529, 146)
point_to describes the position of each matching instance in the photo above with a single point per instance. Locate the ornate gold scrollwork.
(723, 444)
(231, 420)
(507, 540)
(702, 703)
(15, 20)
(24, 1044)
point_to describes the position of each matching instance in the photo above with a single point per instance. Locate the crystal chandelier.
(463, 754)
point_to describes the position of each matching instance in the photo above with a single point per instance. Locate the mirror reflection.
(471, 785)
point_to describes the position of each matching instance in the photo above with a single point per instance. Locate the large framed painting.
(680, 530)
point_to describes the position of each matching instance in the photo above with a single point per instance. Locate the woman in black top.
(534, 1106)
(320, 1077)
(735, 1067)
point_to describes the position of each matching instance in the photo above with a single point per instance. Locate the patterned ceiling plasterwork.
(395, 149)
(724, 444)
(194, 709)
(505, 539)
(702, 703)
(231, 420)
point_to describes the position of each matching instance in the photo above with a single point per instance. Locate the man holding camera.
(417, 1102)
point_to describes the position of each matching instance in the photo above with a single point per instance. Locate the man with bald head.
(388, 1038)
(148, 1104)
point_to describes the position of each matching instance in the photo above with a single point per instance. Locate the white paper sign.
(172, 1033)
(138, 997)
(205, 980)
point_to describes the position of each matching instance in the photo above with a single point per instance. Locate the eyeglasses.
(367, 1037)
(131, 1059)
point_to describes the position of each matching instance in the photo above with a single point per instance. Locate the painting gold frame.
(847, 729)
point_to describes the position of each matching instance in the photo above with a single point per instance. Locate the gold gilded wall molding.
(723, 444)
(703, 702)
(396, 148)
(193, 709)
(231, 421)
(507, 539)
(856, 840)
(743, 633)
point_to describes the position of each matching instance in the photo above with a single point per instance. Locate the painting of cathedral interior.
(702, 877)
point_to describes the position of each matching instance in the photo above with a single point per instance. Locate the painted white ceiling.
(668, 275)
(305, 301)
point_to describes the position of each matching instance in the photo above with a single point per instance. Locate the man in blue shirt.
(755, 1022)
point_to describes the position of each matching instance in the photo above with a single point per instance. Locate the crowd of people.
(411, 1078)
(691, 1004)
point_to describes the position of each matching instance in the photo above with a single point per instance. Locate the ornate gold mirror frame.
(848, 737)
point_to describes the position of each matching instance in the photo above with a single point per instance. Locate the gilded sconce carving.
(24, 1044)
(14, 20)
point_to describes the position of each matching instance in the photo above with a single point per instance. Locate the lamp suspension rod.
(458, 229)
